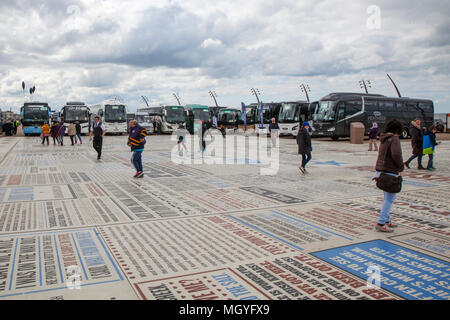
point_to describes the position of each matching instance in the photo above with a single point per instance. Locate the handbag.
(389, 183)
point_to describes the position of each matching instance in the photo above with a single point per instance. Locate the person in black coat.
(304, 145)
(78, 130)
(416, 133)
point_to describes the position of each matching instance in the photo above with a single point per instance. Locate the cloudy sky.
(90, 50)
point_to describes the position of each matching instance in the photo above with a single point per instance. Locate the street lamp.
(177, 97)
(256, 93)
(364, 84)
(213, 95)
(305, 89)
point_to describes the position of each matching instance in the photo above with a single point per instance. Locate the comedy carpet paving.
(72, 227)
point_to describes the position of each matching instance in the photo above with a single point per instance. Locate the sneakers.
(431, 169)
(391, 225)
(139, 174)
(302, 169)
(384, 228)
(420, 168)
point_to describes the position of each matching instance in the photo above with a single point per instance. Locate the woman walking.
(373, 136)
(54, 132)
(390, 163)
(45, 132)
(61, 133)
(304, 145)
(72, 131)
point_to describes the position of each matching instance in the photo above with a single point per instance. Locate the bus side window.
(353, 107)
(341, 111)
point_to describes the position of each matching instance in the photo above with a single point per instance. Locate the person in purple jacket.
(61, 133)
(136, 141)
(373, 136)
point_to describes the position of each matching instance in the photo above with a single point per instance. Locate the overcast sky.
(91, 50)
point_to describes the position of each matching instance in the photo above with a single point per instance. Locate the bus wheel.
(405, 133)
(335, 138)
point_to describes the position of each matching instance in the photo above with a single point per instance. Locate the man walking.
(274, 130)
(416, 143)
(99, 131)
(136, 141)
(78, 130)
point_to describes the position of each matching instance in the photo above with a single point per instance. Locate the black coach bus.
(337, 111)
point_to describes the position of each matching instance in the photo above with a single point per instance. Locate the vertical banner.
(261, 114)
(244, 116)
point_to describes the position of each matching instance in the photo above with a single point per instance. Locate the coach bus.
(270, 110)
(113, 115)
(33, 115)
(291, 114)
(337, 111)
(73, 112)
(167, 118)
(230, 118)
(195, 114)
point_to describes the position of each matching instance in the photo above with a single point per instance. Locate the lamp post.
(256, 93)
(213, 95)
(177, 97)
(364, 84)
(145, 100)
(305, 89)
(395, 86)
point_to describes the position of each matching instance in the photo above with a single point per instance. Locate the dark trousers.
(44, 138)
(98, 141)
(136, 159)
(430, 161)
(305, 158)
(419, 159)
(55, 140)
(71, 139)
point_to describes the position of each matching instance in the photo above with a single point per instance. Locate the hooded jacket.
(303, 141)
(72, 130)
(390, 157)
(416, 133)
(134, 139)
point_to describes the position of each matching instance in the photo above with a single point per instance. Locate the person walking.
(429, 143)
(304, 145)
(78, 131)
(72, 131)
(136, 141)
(61, 133)
(15, 124)
(274, 130)
(373, 136)
(45, 128)
(390, 162)
(54, 132)
(416, 133)
(181, 134)
(98, 130)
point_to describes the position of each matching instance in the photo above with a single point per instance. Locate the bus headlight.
(331, 129)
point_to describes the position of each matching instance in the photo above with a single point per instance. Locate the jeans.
(136, 159)
(388, 201)
(430, 161)
(79, 137)
(419, 159)
(305, 158)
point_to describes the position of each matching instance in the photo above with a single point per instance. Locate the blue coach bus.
(33, 115)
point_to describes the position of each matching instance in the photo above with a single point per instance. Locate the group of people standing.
(58, 130)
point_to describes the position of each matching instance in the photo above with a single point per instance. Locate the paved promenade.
(75, 228)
